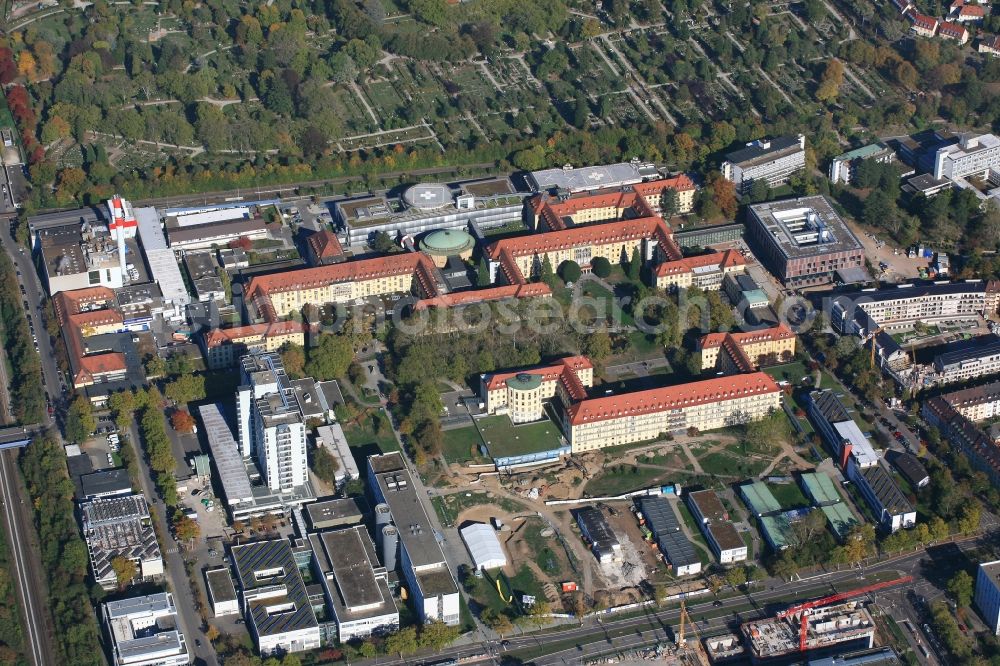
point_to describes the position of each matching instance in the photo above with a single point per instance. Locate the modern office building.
(804, 241)
(355, 584)
(275, 602)
(522, 394)
(331, 437)
(221, 592)
(842, 168)
(271, 425)
(771, 160)
(143, 631)
(421, 561)
(424, 207)
(968, 359)
(713, 520)
(704, 271)
(973, 155)
(745, 352)
(105, 483)
(616, 420)
(987, 597)
(120, 527)
(598, 533)
(677, 550)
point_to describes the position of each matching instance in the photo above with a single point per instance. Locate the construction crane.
(874, 335)
(804, 610)
(681, 645)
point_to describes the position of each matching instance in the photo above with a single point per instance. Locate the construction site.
(821, 627)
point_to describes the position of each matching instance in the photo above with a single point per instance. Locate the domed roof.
(447, 242)
(427, 196)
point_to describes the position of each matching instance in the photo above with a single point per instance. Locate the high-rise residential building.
(271, 425)
(770, 160)
(987, 597)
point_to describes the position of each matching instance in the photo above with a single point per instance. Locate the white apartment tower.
(271, 425)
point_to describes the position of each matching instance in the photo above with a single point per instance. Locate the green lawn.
(484, 591)
(461, 445)
(789, 495)
(724, 463)
(371, 431)
(792, 372)
(503, 438)
(621, 479)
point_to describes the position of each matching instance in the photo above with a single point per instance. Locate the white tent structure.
(483, 545)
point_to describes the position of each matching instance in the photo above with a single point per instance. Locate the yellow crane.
(699, 650)
(874, 335)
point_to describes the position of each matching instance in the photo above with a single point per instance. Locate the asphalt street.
(24, 563)
(177, 579)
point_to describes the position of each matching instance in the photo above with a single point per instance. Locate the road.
(24, 564)
(35, 294)
(188, 619)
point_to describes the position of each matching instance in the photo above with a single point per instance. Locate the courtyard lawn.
(791, 372)
(371, 433)
(461, 445)
(448, 507)
(620, 479)
(726, 463)
(503, 438)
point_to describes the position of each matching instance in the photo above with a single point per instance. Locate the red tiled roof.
(547, 372)
(91, 367)
(590, 234)
(726, 259)
(529, 290)
(953, 30)
(70, 302)
(972, 11)
(220, 336)
(718, 389)
(923, 21)
(779, 332)
(325, 245)
(680, 183)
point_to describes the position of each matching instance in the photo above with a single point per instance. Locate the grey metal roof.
(105, 482)
(276, 555)
(885, 489)
(908, 466)
(596, 527)
(661, 519)
(226, 455)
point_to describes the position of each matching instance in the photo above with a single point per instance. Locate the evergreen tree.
(483, 274)
(547, 275)
(634, 267)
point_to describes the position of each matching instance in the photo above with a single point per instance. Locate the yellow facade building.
(705, 271)
(745, 352)
(225, 346)
(645, 415)
(522, 394)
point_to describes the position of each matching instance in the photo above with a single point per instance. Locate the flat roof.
(216, 230)
(863, 152)
(337, 511)
(163, 265)
(270, 564)
(804, 227)
(725, 535)
(709, 504)
(144, 627)
(908, 465)
(598, 530)
(351, 555)
(755, 152)
(220, 585)
(581, 179)
(861, 447)
(396, 487)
